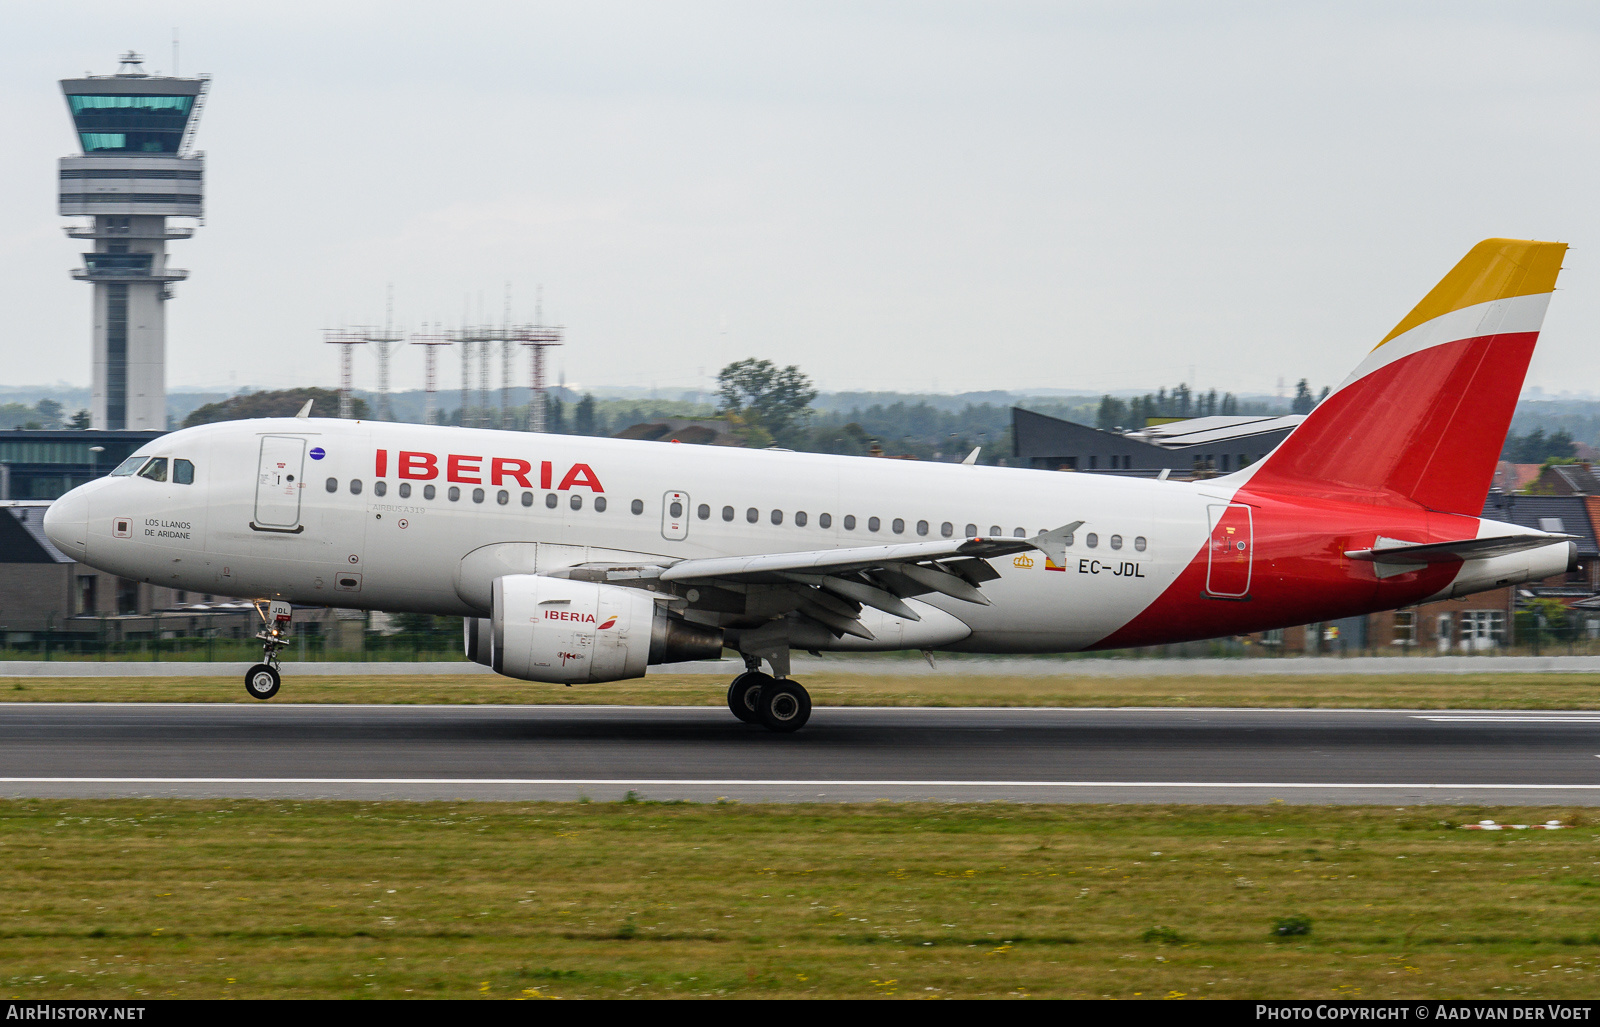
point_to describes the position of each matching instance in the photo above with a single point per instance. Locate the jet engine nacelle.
(580, 632)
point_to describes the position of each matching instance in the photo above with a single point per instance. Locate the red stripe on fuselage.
(1300, 572)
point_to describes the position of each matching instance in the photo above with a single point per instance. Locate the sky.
(919, 196)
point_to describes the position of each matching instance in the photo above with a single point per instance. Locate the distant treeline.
(1536, 447)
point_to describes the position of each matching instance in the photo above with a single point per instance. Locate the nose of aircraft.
(67, 524)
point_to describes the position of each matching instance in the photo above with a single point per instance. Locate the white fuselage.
(241, 529)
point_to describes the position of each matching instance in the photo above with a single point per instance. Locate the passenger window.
(826, 520)
(800, 518)
(333, 485)
(1019, 533)
(551, 499)
(477, 495)
(704, 513)
(899, 525)
(638, 506)
(1066, 541)
(454, 494)
(599, 504)
(674, 508)
(752, 515)
(380, 488)
(502, 497)
(995, 531)
(575, 501)
(727, 513)
(1139, 543)
(922, 527)
(873, 524)
(1116, 541)
(777, 517)
(155, 470)
(1091, 540)
(849, 522)
(527, 499)
(405, 490)
(972, 531)
(355, 486)
(183, 472)
(428, 492)
(947, 529)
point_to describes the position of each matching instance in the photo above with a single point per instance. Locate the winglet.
(972, 457)
(1053, 543)
(305, 411)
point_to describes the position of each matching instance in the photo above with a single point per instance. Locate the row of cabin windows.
(751, 515)
(155, 469)
(898, 525)
(502, 497)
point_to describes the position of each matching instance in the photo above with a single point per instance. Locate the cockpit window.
(128, 466)
(183, 472)
(155, 470)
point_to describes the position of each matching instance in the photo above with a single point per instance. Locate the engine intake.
(579, 632)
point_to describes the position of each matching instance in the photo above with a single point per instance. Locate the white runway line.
(771, 783)
(1510, 720)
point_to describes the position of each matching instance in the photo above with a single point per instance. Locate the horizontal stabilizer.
(1398, 551)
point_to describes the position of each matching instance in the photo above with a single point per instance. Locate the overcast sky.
(914, 196)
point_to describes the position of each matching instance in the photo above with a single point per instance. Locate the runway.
(1385, 757)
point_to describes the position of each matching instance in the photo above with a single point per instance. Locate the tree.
(555, 417)
(284, 403)
(583, 416)
(49, 412)
(1113, 414)
(1303, 400)
(80, 420)
(761, 396)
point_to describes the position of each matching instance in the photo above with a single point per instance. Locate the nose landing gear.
(778, 704)
(263, 680)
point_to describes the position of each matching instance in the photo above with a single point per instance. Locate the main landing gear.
(262, 681)
(778, 704)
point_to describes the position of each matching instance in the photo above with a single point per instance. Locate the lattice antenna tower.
(347, 340)
(477, 337)
(505, 362)
(430, 341)
(381, 343)
(538, 337)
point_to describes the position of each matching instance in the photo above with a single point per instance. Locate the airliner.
(585, 560)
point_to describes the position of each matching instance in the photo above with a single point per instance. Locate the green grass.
(1392, 691)
(159, 898)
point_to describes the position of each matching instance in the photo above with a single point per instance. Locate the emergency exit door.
(675, 516)
(278, 483)
(1230, 551)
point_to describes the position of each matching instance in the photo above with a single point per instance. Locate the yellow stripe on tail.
(1495, 269)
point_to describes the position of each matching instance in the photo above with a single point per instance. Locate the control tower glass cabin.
(135, 171)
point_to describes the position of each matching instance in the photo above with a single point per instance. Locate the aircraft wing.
(839, 561)
(831, 585)
(1389, 550)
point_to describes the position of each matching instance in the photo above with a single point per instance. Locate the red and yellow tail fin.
(1423, 419)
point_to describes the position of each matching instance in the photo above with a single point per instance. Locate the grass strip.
(1382, 691)
(245, 898)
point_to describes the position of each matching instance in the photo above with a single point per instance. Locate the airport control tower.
(137, 169)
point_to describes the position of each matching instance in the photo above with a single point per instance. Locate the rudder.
(1424, 417)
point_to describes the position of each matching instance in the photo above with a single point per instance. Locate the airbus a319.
(582, 560)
